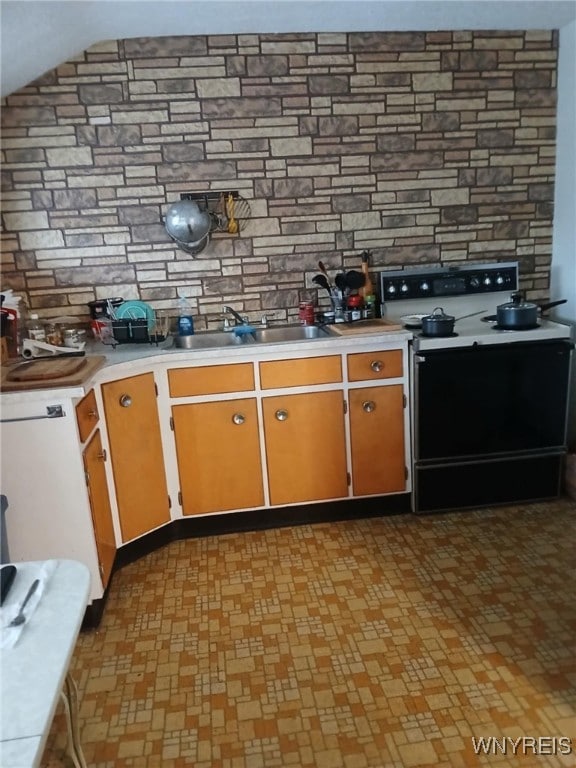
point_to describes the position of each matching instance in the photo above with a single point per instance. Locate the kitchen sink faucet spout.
(238, 318)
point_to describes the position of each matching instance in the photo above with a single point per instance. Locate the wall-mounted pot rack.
(228, 209)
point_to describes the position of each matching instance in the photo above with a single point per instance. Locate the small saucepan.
(440, 324)
(521, 315)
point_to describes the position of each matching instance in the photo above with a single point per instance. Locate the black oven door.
(490, 400)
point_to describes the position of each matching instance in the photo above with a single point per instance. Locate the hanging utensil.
(340, 281)
(355, 279)
(322, 268)
(232, 223)
(322, 281)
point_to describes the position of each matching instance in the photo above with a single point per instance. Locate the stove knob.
(424, 286)
(475, 281)
(391, 289)
(487, 281)
(404, 288)
(499, 280)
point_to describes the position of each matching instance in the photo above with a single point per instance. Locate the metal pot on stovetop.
(520, 315)
(439, 324)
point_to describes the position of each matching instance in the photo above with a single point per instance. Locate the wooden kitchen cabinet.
(365, 366)
(87, 415)
(377, 440)
(94, 457)
(218, 450)
(136, 454)
(305, 447)
(299, 372)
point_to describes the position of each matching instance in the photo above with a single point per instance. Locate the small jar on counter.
(35, 329)
(70, 337)
(54, 334)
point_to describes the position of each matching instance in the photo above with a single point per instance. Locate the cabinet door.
(377, 440)
(94, 458)
(136, 454)
(218, 449)
(305, 447)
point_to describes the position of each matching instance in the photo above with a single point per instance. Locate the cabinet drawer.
(87, 415)
(375, 365)
(211, 379)
(276, 374)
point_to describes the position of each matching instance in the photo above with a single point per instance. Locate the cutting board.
(38, 370)
(378, 325)
(49, 372)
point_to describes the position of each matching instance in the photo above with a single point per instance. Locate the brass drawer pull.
(368, 406)
(238, 418)
(93, 414)
(281, 414)
(376, 365)
(102, 455)
(125, 401)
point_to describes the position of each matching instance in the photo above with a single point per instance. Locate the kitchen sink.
(274, 335)
(289, 333)
(212, 340)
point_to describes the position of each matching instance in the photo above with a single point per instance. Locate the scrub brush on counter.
(243, 330)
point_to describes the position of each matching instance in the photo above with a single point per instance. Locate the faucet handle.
(267, 316)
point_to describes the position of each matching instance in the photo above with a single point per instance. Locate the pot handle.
(550, 304)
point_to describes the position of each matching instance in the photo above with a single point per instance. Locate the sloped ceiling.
(38, 35)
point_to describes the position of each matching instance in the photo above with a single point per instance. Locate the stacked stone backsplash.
(426, 148)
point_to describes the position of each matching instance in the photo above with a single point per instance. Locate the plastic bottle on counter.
(369, 311)
(185, 319)
(35, 329)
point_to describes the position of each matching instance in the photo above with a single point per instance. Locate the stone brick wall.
(425, 148)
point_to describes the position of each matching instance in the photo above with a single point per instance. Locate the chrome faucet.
(264, 320)
(238, 318)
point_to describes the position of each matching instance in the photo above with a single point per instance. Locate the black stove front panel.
(489, 424)
(485, 483)
(491, 400)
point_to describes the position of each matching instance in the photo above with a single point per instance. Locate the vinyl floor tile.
(389, 642)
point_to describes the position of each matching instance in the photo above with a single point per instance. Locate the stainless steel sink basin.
(211, 340)
(274, 335)
(289, 333)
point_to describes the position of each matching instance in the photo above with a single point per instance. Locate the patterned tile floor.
(389, 642)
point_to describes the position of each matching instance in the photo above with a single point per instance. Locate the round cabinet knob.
(125, 401)
(281, 414)
(238, 418)
(368, 406)
(376, 366)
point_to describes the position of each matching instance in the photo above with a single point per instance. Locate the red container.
(306, 312)
(354, 301)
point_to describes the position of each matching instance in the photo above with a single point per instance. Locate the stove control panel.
(405, 284)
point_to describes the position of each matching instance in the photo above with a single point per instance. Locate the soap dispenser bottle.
(185, 319)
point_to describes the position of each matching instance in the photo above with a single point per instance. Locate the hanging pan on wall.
(188, 226)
